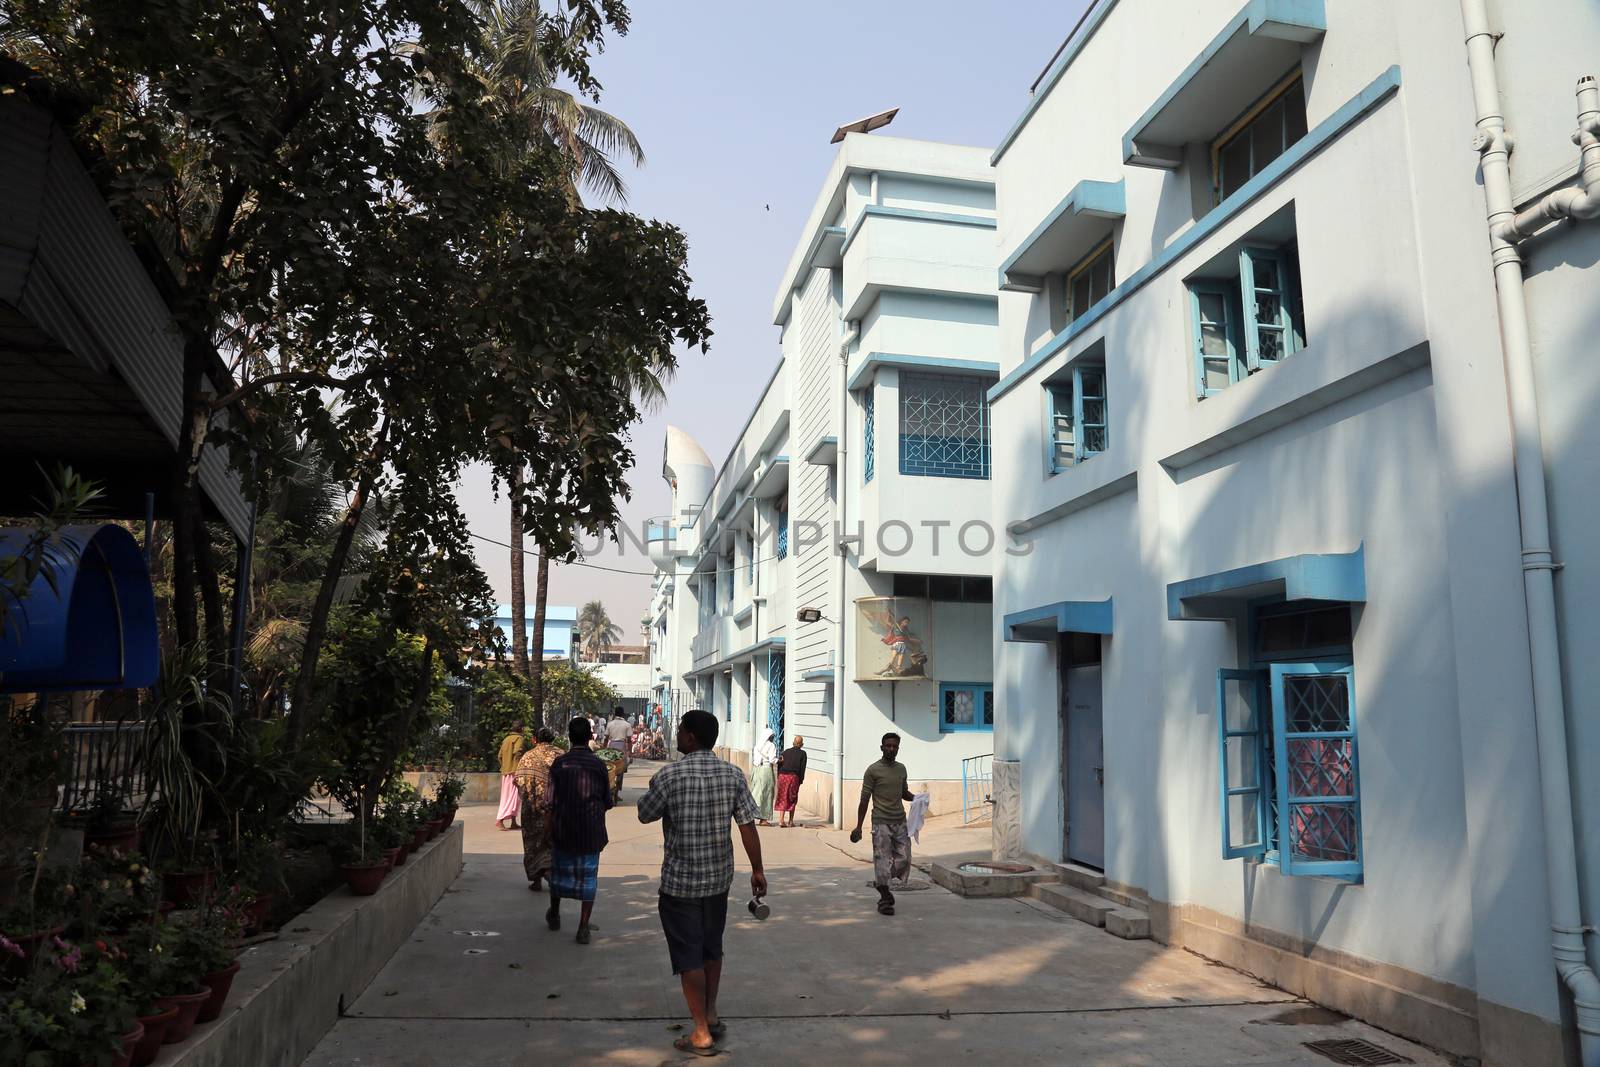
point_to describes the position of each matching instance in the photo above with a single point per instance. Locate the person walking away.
(791, 775)
(533, 782)
(579, 796)
(884, 787)
(510, 799)
(617, 731)
(763, 776)
(695, 798)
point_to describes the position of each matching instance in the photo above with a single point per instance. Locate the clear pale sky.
(734, 104)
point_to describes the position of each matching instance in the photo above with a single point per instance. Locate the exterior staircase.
(1083, 894)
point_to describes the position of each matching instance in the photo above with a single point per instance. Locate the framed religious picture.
(894, 638)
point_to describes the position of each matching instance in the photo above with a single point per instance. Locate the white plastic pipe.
(1574, 202)
(843, 481)
(1538, 565)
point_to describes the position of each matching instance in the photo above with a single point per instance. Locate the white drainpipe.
(849, 335)
(1506, 227)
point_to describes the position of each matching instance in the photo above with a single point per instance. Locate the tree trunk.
(216, 618)
(185, 496)
(536, 654)
(519, 578)
(317, 625)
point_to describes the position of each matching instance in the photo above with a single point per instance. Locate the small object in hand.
(759, 908)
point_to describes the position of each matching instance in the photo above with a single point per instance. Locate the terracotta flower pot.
(188, 1005)
(219, 982)
(436, 826)
(404, 854)
(256, 912)
(391, 856)
(130, 1041)
(123, 839)
(364, 878)
(148, 1047)
(187, 887)
(419, 837)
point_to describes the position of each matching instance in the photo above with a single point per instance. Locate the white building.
(1252, 428)
(827, 557)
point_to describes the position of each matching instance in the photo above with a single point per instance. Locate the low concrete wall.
(483, 787)
(290, 992)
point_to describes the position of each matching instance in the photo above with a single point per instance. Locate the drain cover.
(1361, 1053)
(994, 868)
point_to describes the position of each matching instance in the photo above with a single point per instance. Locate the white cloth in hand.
(916, 816)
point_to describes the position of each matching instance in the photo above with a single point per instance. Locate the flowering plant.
(113, 892)
(73, 1008)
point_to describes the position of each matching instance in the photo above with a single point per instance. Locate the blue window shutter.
(775, 674)
(1242, 762)
(1263, 290)
(1089, 412)
(1319, 789)
(783, 529)
(868, 433)
(1060, 431)
(1212, 319)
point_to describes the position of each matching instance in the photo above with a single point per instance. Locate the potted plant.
(258, 873)
(364, 867)
(32, 759)
(148, 967)
(27, 926)
(110, 823)
(203, 943)
(73, 1009)
(112, 893)
(447, 795)
(177, 980)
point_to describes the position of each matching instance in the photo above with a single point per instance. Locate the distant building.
(559, 624)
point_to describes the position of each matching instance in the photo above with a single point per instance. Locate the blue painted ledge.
(1381, 88)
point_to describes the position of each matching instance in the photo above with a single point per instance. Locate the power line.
(575, 563)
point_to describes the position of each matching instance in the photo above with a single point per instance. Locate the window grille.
(867, 434)
(965, 706)
(783, 528)
(944, 426)
(1247, 322)
(775, 674)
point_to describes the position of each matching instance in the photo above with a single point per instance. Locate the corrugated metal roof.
(73, 274)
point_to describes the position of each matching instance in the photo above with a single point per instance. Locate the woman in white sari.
(764, 776)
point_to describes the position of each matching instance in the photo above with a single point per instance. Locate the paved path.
(826, 980)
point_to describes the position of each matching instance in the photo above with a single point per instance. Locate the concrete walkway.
(824, 980)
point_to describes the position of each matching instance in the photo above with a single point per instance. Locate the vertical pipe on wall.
(1538, 566)
(838, 547)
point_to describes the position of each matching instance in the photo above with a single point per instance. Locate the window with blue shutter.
(1288, 773)
(783, 528)
(1245, 313)
(1079, 419)
(868, 452)
(965, 706)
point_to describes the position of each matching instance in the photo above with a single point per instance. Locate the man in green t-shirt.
(884, 787)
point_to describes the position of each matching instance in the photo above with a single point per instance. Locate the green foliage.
(72, 1008)
(112, 893)
(377, 686)
(69, 497)
(187, 729)
(571, 690)
(596, 631)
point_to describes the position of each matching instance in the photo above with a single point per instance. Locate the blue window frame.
(965, 706)
(750, 565)
(868, 434)
(782, 519)
(1246, 323)
(1078, 417)
(944, 425)
(775, 676)
(1289, 776)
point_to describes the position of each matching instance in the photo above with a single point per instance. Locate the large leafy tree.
(404, 304)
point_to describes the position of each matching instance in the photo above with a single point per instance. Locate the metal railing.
(977, 786)
(103, 755)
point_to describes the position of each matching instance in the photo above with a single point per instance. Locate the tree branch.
(255, 385)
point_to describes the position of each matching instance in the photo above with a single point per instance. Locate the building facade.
(1276, 650)
(559, 624)
(834, 590)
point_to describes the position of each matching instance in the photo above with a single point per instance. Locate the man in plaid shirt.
(695, 798)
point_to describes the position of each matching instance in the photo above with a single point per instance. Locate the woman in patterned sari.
(533, 780)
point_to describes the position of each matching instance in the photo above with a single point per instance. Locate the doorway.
(1083, 755)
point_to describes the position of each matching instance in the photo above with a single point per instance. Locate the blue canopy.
(88, 621)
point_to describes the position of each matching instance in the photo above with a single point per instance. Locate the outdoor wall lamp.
(808, 615)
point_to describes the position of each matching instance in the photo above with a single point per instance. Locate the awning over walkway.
(1337, 576)
(89, 619)
(1064, 616)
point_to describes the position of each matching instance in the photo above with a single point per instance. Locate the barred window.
(944, 426)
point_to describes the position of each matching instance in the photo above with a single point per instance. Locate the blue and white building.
(1296, 639)
(559, 625)
(841, 510)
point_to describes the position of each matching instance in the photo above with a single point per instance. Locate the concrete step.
(1084, 878)
(1136, 901)
(1130, 924)
(1085, 907)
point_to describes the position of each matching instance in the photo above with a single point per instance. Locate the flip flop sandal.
(686, 1044)
(583, 935)
(719, 1030)
(552, 918)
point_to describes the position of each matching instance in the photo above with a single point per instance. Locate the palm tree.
(518, 81)
(596, 631)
